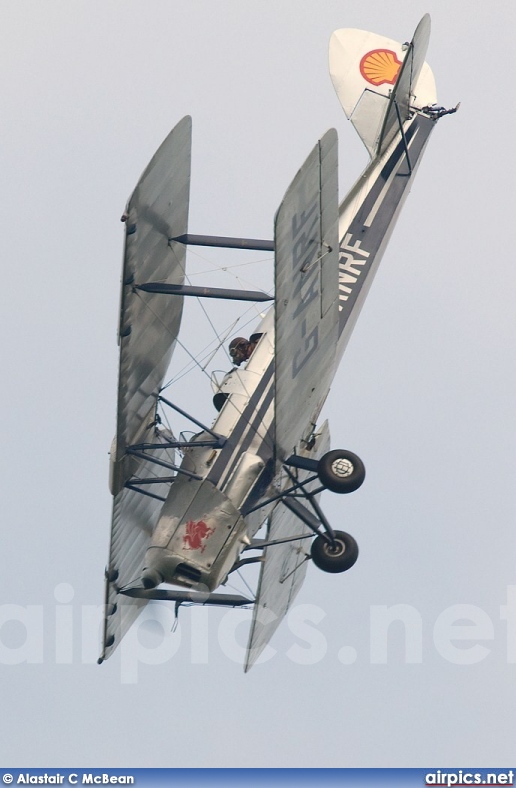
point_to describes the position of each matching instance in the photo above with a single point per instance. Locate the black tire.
(341, 471)
(337, 558)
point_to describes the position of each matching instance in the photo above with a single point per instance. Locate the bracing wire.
(204, 355)
(226, 333)
(244, 581)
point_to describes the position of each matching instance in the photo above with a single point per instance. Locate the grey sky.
(425, 394)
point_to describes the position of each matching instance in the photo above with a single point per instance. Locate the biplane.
(187, 508)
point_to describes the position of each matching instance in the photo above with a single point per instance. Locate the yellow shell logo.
(380, 66)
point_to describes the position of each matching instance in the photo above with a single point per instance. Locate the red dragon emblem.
(196, 535)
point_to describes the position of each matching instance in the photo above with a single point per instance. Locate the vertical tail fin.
(376, 77)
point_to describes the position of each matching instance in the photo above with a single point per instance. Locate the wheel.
(341, 471)
(337, 558)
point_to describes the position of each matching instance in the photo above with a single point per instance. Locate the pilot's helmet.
(238, 350)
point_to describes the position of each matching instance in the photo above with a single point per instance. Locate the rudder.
(368, 71)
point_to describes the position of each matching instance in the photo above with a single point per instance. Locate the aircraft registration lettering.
(307, 296)
(305, 251)
(301, 244)
(304, 248)
(351, 265)
(309, 347)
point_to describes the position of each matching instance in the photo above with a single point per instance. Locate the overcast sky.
(425, 393)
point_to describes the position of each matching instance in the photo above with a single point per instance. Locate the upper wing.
(157, 211)
(149, 323)
(370, 72)
(306, 312)
(284, 568)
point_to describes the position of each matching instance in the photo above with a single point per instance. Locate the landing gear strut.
(339, 471)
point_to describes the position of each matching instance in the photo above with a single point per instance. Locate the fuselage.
(206, 523)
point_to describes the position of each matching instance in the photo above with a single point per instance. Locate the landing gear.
(341, 471)
(336, 557)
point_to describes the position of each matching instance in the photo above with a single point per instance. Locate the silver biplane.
(181, 526)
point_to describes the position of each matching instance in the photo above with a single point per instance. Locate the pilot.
(240, 349)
